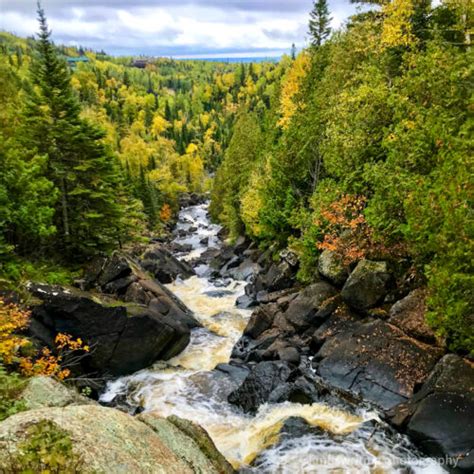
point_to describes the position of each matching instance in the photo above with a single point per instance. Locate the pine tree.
(90, 210)
(319, 22)
(293, 51)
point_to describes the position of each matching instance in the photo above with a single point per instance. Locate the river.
(349, 440)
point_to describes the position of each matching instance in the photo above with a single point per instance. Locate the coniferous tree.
(89, 211)
(319, 22)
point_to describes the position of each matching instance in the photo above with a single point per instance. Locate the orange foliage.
(44, 362)
(165, 213)
(348, 234)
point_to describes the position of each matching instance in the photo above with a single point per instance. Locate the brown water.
(188, 387)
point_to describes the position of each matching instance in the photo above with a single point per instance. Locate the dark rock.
(331, 267)
(259, 385)
(367, 285)
(439, 418)
(341, 320)
(245, 270)
(120, 286)
(238, 373)
(164, 266)
(377, 362)
(409, 314)
(137, 294)
(289, 257)
(245, 302)
(261, 320)
(240, 245)
(248, 349)
(114, 268)
(301, 390)
(302, 310)
(279, 277)
(289, 354)
(123, 338)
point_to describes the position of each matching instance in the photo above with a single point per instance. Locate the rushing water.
(341, 440)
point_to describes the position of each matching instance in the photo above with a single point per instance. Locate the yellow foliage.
(159, 125)
(397, 28)
(291, 87)
(13, 320)
(251, 203)
(192, 148)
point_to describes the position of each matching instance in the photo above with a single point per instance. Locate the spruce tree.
(319, 22)
(89, 214)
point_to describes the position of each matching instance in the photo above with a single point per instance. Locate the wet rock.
(246, 270)
(248, 349)
(331, 267)
(237, 373)
(258, 386)
(120, 286)
(341, 320)
(439, 418)
(367, 285)
(409, 314)
(376, 362)
(302, 309)
(123, 338)
(289, 354)
(245, 302)
(279, 277)
(261, 320)
(164, 266)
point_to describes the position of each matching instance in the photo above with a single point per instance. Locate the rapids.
(342, 440)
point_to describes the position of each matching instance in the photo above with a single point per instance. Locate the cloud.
(171, 27)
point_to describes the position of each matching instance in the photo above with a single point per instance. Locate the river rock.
(376, 362)
(123, 338)
(367, 285)
(164, 266)
(258, 386)
(331, 267)
(261, 320)
(104, 439)
(440, 417)
(189, 442)
(409, 314)
(302, 310)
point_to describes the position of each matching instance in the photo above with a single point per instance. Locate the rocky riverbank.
(356, 337)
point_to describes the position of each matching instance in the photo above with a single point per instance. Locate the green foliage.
(11, 386)
(382, 113)
(319, 22)
(47, 448)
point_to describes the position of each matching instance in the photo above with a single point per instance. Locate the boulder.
(108, 440)
(42, 392)
(377, 362)
(331, 267)
(258, 386)
(164, 266)
(367, 285)
(302, 310)
(261, 320)
(188, 442)
(439, 418)
(409, 314)
(123, 337)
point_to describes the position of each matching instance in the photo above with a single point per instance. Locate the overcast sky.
(173, 27)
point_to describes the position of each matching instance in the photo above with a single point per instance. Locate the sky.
(178, 28)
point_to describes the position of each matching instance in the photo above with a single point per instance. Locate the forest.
(368, 152)
(230, 267)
